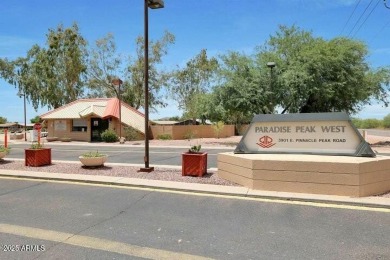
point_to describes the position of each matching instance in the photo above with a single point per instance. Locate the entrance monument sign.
(296, 153)
(312, 133)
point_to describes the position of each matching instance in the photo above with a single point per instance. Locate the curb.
(204, 189)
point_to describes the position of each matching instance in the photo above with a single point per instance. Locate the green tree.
(317, 75)
(3, 120)
(174, 118)
(34, 120)
(244, 90)
(158, 78)
(220, 108)
(105, 64)
(190, 82)
(6, 69)
(51, 76)
(196, 108)
(386, 121)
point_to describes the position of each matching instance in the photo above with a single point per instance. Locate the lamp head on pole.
(20, 94)
(116, 82)
(155, 4)
(271, 64)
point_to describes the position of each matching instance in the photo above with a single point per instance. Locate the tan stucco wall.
(330, 175)
(82, 136)
(179, 132)
(113, 124)
(75, 136)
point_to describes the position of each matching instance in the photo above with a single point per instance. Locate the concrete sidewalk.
(205, 189)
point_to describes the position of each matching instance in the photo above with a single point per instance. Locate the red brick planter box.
(194, 164)
(37, 157)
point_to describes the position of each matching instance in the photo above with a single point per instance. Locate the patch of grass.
(164, 137)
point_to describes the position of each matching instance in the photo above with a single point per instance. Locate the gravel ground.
(117, 171)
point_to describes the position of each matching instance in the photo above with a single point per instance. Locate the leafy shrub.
(131, 134)
(371, 123)
(386, 121)
(36, 146)
(65, 139)
(92, 154)
(164, 137)
(109, 136)
(189, 135)
(195, 149)
(218, 127)
(367, 123)
(4, 149)
(358, 123)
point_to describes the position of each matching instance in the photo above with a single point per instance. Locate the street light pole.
(271, 65)
(25, 120)
(153, 4)
(118, 82)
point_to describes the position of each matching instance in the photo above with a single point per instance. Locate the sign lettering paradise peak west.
(312, 133)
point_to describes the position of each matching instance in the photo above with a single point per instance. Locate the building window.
(79, 125)
(60, 125)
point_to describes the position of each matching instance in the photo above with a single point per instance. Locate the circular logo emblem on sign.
(265, 142)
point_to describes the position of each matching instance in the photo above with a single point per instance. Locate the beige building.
(86, 119)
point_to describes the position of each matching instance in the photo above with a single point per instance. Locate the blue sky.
(217, 25)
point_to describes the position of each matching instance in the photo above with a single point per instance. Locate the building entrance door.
(98, 126)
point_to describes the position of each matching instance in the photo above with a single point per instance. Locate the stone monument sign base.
(317, 174)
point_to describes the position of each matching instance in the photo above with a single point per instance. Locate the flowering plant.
(36, 145)
(92, 154)
(195, 149)
(4, 149)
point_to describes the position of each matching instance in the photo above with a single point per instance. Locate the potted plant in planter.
(37, 155)
(3, 151)
(194, 162)
(93, 159)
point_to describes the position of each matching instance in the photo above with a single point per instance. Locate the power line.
(379, 32)
(361, 25)
(357, 22)
(349, 18)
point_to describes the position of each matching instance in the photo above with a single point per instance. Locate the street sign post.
(38, 127)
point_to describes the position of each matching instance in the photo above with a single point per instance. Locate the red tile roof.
(112, 108)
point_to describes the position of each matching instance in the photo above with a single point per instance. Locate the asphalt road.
(378, 132)
(120, 154)
(74, 221)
